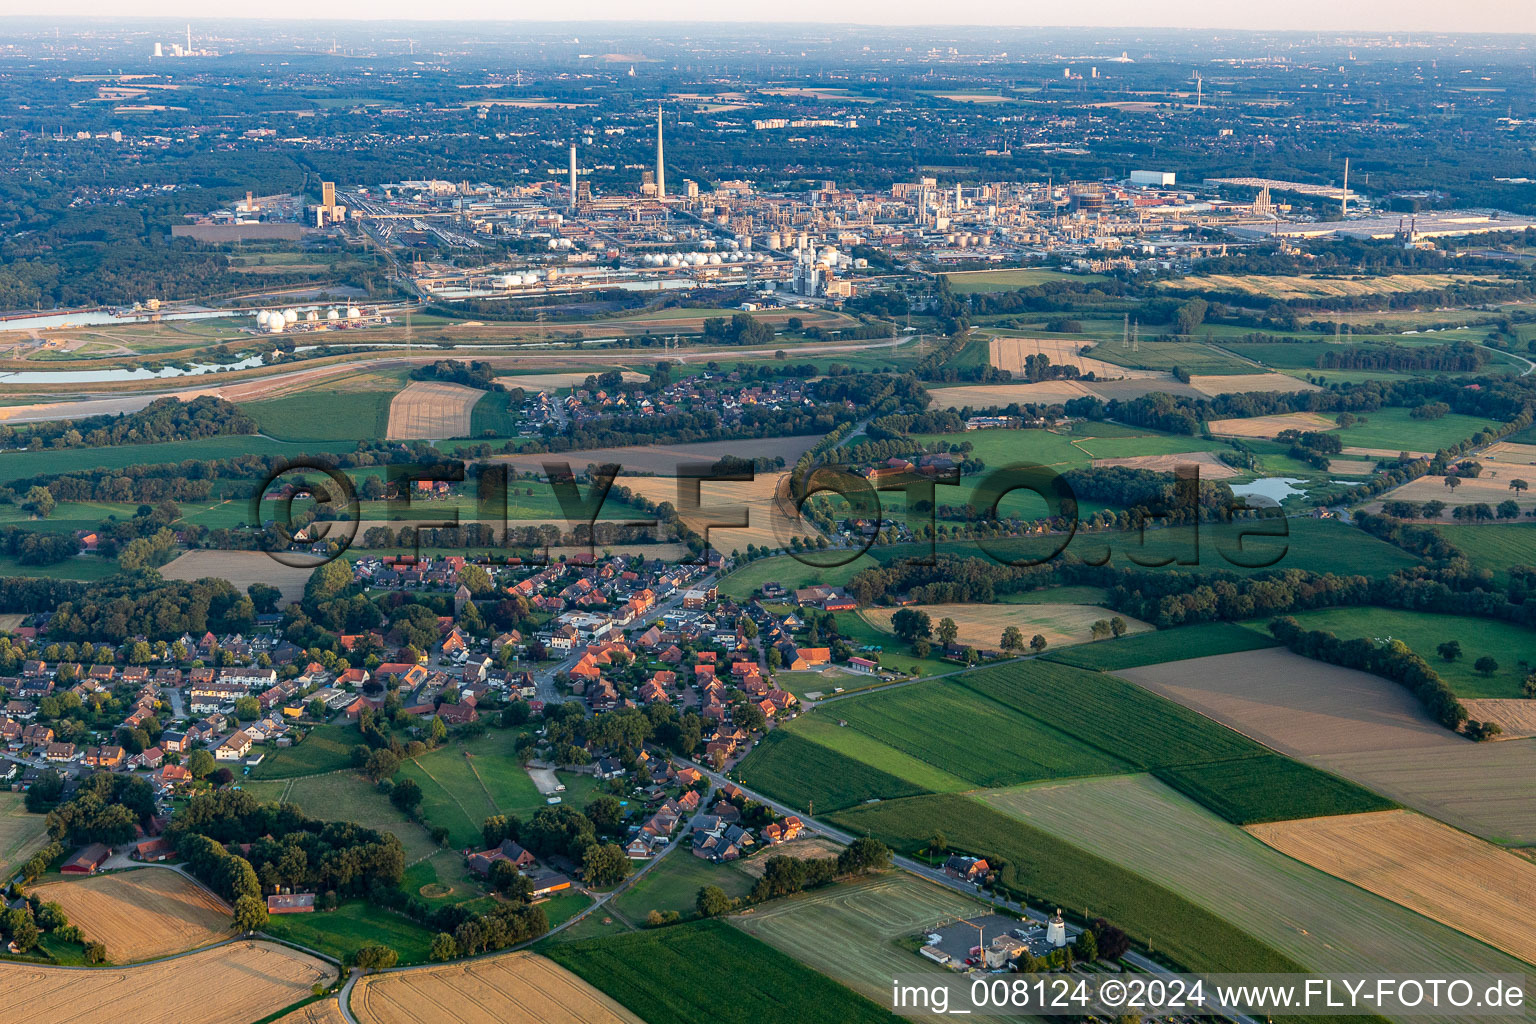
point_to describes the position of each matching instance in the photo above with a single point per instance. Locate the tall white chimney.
(661, 167)
(573, 175)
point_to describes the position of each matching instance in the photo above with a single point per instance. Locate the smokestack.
(189, 37)
(1344, 196)
(573, 175)
(661, 167)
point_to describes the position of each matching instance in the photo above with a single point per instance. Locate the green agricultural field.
(1393, 429)
(1494, 547)
(1191, 356)
(347, 796)
(820, 727)
(1298, 912)
(969, 282)
(854, 932)
(21, 833)
(21, 465)
(494, 415)
(323, 415)
(1163, 645)
(676, 975)
(1137, 725)
(674, 884)
(1049, 872)
(325, 748)
(1148, 444)
(789, 571)
(350, 927)
(962, 732)
(87, 568)
(1507, 643)
(1243, 790)
(801, 772)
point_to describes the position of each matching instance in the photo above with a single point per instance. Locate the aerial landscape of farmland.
(767, 516)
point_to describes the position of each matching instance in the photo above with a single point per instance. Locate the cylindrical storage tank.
(775, 240)
(554, 273)
(530, 278)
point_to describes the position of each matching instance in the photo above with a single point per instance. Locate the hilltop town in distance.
(692, 523)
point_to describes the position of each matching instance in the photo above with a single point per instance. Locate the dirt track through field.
(234, 984)
(511, 989)
(141, 914)
(1444, 874)
(1364, 728)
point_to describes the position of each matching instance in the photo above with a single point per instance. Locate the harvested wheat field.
(1515, 716)
(141, 914)
(982, 625)
(987, 396)
(1444, 874)
(21, 833)
(1270, 426)
(1211, 467)
(519, 988)
(1491, 488)
(764, 501)
(430, 411)
(1307, 286)
(811, 848)
(1351, 467)
(1009, 354)
(1507, 453)
(1381, 453)
(242, 568)
(234, 984)
(324, 1011)
(663, 459)
(1364, 728)
(1243, 383)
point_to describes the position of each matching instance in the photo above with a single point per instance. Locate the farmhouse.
(87, 860)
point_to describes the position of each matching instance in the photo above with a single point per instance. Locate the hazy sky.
(1322, 15)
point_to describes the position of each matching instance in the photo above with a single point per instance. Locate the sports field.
(1306, 914)
(850, 932)
(244, 981)
(492, 990)
(981, 625)
(1432, 868)
(141, 914)
(429, 410)
(1364, 728)
(1507, 643)
(712, 973)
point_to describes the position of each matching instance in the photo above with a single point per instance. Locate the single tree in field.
(1517, 485)
(712, 901)
(1117, 626)
(1485, 665)
(947, 631)
(1037, 643)
(938, 843)
(1013, 639)
(250, 914)
(1452, 482)
(1099, 630)
(1529, 686)
(1450, 650)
